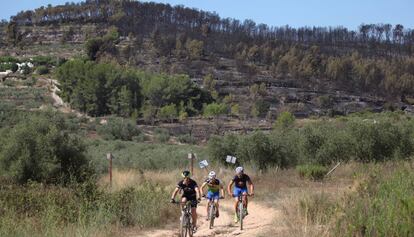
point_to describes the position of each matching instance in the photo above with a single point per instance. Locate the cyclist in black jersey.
(190, 192)
(240, 181)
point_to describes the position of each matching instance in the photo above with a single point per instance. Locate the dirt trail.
(57, 100)
(259, 220)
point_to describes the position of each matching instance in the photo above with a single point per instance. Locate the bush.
(388, 137)
(168, 112)
(8, 59)
(41, 210)
(14, 67)
(219, 147)
(317, 208)
(313, 172)
(379, 141)
(186, 138)
(41, 70)
(39, 149)
(42, 60)
(284, 120)
(215, 110)
(383, 206)
(118, 129)
(161, 135)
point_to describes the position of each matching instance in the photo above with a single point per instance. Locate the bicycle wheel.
(183, 225)
(212, 214)
(190, 226)
(241, 214)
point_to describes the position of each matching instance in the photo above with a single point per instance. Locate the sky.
(296, 13)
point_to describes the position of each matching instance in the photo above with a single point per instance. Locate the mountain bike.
(241, 211)
(212, 209)
(186, 220)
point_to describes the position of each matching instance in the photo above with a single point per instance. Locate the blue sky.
(348, 13)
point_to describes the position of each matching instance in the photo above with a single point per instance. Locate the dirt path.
(57, 100)
(259, 220)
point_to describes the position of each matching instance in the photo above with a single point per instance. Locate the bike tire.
(212, 215)
(183, 226)
(241, 214)
(190, 226)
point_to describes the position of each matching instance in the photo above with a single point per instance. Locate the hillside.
(262, 69)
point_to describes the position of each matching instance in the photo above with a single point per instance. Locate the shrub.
(284, 120)
(383, 206)
(313, 172)
(42, 60)
(14, 67)
(118, 128)
(186, 138)
(41, 70)
(42, 210)
(317, 208)
(168, 112)
(257, 149)
(379, 141)
(8, 59)
(219, 147)
(215, 110)
(161, 135)
(39, 149)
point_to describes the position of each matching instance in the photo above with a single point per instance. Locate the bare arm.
(229, 187)
(251, 186)
(222, 191)
(198, 192)
(174, 193)
(202, 187)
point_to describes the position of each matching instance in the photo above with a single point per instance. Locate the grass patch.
(313, 172)
(382, 206)
(141, 155)
(80, 210)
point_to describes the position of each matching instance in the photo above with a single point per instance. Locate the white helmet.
(239, 170)
(212, 174)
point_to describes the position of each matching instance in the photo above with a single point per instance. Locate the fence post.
(109, 157)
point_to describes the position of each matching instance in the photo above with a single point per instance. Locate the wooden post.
(109, 157)
(191, 158)
(192, 165)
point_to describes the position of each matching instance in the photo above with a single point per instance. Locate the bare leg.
(216, 202)
(194, 215)
(245, 200)
(183, 201)
(235, 204)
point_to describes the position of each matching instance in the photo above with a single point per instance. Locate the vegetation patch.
(313, 172)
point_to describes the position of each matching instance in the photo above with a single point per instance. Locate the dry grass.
(302, 202)
(307, 208)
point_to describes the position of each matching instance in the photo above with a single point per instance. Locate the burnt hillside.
(263, 69)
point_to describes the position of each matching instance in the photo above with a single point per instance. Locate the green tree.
(215, 110)
(149, 112)
(92, 47)
(168, 112)
(284, 120)
(40, 149)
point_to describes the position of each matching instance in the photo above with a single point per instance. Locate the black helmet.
(186, 174)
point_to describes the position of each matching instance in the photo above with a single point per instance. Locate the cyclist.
(190, 192)
(214, 186)
(240, 182)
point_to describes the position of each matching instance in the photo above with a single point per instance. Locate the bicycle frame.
(240, 209)
(186, 219)
(211, 212)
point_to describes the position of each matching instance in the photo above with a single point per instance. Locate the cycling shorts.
(193, 200)
(213, 195)
(239, 191)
